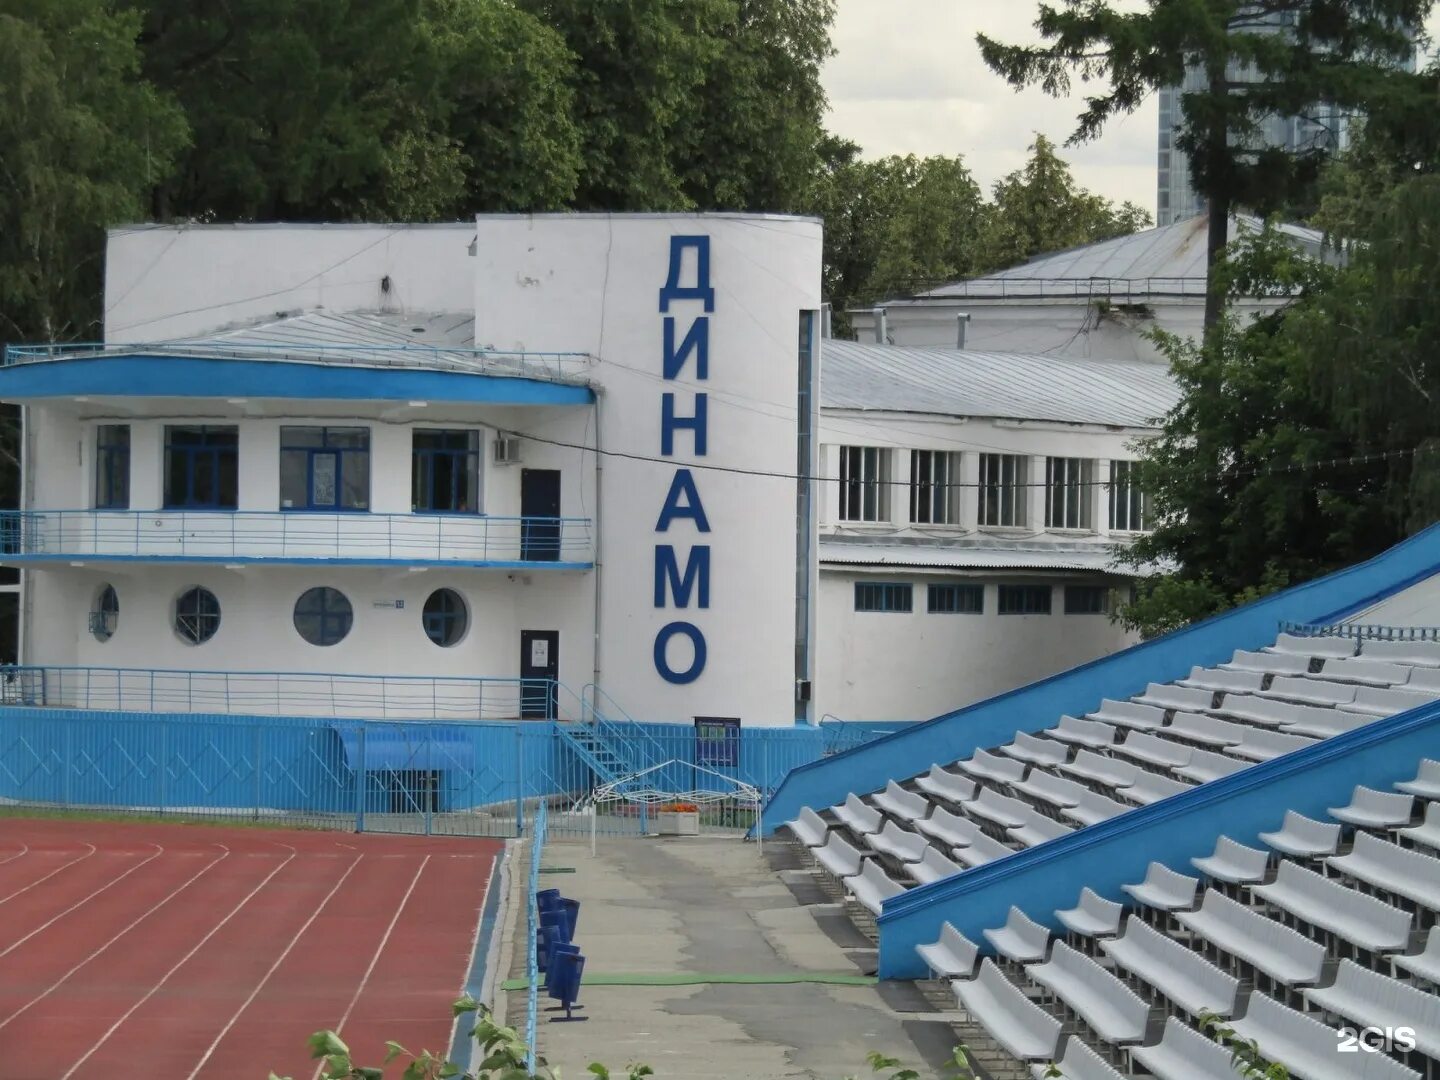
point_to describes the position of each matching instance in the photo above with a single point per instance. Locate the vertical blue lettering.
(695, 579)
(702, 289)
(670, 423)
(697, 341)
(697, 643)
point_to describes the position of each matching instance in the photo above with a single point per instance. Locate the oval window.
(106, 615)
(197, 615)
(445, 617)
(323, 616)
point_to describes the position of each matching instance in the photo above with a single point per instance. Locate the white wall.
(180, 281)
(896, 666)
(593, 283)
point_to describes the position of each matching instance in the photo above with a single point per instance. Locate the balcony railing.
(283, 693)
(219, 535)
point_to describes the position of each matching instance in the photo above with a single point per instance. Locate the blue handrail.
(291, 534)
(410, 354)
(537, 847)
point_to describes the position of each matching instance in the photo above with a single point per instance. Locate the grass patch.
(237, 821)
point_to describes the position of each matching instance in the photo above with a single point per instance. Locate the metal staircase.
(611, 749)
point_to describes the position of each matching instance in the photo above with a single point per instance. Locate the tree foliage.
(1260, 60)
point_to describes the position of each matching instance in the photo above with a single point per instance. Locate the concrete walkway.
(713, 908)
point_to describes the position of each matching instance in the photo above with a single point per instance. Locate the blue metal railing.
(1362, 631)
(275, 693)
(280, 534)
(537, 847)
(412, 355)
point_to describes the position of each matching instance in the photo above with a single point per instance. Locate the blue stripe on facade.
(298, 560)
(170, 376)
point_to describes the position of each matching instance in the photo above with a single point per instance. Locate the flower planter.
(678, 823)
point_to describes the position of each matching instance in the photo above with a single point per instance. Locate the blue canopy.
(399, 747)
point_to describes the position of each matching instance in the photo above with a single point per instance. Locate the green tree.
(1260, 59)
(1039, 208)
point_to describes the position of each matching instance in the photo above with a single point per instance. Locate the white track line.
(23, 849)
(273, 968)
(47, 877)
(385, 940)
(178, 964)
(154, 908)
(79, 903)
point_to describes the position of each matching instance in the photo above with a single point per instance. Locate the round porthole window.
(105, 616)
(323, 616)
(197, 615)
(445, 617)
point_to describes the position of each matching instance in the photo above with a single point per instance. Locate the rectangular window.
(1024, 600)
(1067, 492)
(956, 599)
(864, 483)
(934, 487)
(112, 467)
(1003, 489)
(883, 596)
(324, 468)
(446, 472)
(1087, 600)
(202, 467)
(1129, 504)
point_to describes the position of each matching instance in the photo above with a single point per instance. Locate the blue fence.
(394, 775)
(532, 889)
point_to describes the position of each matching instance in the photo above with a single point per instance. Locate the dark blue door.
(540, 511)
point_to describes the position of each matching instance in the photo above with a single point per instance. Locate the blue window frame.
(445, 618)
(883, 596)
(1087, 600)
(445, 477)
(324, 468)
(1024, 600)
(202, 467)
(955, 598)
(106, 617)
(112, 467)
(323, 616)
(197, 615)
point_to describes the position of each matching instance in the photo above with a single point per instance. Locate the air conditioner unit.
(507, 451)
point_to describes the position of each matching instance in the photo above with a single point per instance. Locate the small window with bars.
(934, 487)
(883, 596)
(1003, 489)
(1087, 600)
(1129, 504)
(955, 598)
(1067, 493)
(1024, 600)
(864, 483)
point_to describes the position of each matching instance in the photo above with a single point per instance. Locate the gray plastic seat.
(1024, 1029)
(1206, 765)
(1152, 787)
(1426, 680)
(839, 856)
(1313, 690)
(1164, 890)
(1373, 809)
(1206, 730)
(859, 816)
(872, 886)
(933, 866)
(953, 956)
(1387, 701)
(1092, 809)
(1090, 733)
(1046, 787)
(981, 850)
(1037, 829)
(1327, 723)
(1112, 1009)
(1021, 938)
(1101, 769)
(1285, 955)
(1409, 653)
(1035, 750)
(988, 766)
(1271, 712)
(1427, 832)
(1233, 863)
(1174, 696)
(1365, 671)
(1331, 906)
(1182, 975)
(1426, 963)
(1370, 998)
(946, 785)
(1001, 809)
(1426, 782)
(1162, 753)
(809, 828)
(1261, 744)
(1184, 1054)
(1128, 714)
(950, 829)
(1093, 916)
(1224, 680)
(1309, 1047)
(1302, 837)
(1325, 646)
(1079, 1062)
(1267, 663)
(900, 844)
(905, 805)
(1391, 869)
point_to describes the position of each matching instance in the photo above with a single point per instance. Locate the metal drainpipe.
(27, 463)
(599, 502)
(962, 321)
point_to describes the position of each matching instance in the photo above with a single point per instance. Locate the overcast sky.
(908, 78)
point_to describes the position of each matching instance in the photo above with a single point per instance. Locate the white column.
(147, 465)
(969, 477)
(1099, 496)
(1035, 508)
(259, 470)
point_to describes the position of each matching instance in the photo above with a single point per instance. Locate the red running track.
(176, 952)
